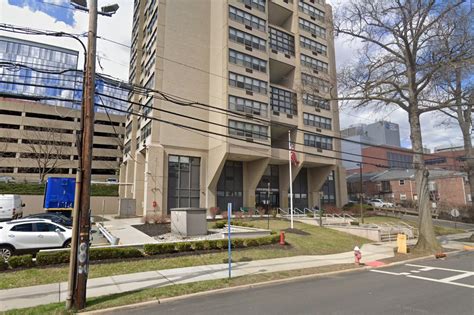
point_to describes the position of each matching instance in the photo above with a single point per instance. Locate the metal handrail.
(280, 210)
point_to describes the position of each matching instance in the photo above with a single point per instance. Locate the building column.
(284, 176)
(252, 173)
(154, 181)
(129, 178)
(341, 186)
(122, 179)
(215, 163)
(138, 187)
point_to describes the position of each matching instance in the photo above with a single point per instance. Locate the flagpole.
(291, 178)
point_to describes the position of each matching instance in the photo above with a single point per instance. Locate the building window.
(320, 142)
(183, 181)
(314, 83)
(246, 18)
(247, 106)
(401, 182)
(128, 130)
(329, 190)
(315, 101)
(317, 121)
(247, 61)
(311, 11)
(145, 131)
(257, 4)
(247, 83)
(281, 41)
(313, 45)
(247, 39)
(403, 196)
(283, 101)
(397, 160)
(146, 109)
(314, 63)
(312, 28)
(434, 161)
(230, 186)
(239, 128)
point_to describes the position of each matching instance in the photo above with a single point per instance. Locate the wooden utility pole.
(79, 296)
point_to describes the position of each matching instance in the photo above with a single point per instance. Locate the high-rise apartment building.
(266, 67)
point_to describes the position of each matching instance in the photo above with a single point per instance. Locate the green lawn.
(319, 241)
(439, 230)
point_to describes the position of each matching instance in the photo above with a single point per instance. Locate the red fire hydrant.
(282, 238)
(357, 255)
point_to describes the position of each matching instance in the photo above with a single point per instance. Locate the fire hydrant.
(282, 238)
(357, 255)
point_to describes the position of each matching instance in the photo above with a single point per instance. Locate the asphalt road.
(423, 287)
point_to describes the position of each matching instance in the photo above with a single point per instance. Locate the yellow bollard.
(402, 243)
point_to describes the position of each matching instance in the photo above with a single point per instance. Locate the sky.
(114, 59)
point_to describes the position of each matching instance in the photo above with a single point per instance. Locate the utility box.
(127, 208)
(188, 221)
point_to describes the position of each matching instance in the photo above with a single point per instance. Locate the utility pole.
(360, 194)
(79, 258)
(79, 296)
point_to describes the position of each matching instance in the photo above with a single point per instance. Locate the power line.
(212, 123)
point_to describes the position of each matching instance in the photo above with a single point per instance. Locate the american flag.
(294, 158)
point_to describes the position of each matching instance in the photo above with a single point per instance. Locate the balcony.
(280, 13)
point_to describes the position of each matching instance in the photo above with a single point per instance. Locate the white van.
(11, 207)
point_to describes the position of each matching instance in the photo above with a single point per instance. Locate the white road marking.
(387, 272)
(449, 280)
(441, 281)
(428, 268)
(459, 276)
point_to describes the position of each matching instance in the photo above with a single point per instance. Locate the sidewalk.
(57, 292)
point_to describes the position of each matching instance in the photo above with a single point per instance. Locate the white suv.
(30, 235)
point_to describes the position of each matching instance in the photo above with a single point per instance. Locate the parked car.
(11, 207)
(31, 235)
(55, 217)
(7, 179)
(380, 203)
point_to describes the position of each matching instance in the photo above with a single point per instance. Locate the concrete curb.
(255, 285)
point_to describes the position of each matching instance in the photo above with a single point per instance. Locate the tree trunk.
(427, 242)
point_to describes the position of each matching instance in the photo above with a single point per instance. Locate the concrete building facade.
(36, 138)
(266, 67)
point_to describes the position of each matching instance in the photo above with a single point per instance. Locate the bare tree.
(47, 147)
(395, 67)
(455, 81)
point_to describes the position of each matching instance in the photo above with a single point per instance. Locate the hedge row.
(97, 254)
(168, 248)
(221, 224)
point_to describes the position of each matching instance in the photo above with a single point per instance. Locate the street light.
(107, 10)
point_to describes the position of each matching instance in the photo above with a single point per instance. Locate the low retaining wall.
(34, 204)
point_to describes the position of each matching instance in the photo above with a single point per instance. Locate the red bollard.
(282, 238)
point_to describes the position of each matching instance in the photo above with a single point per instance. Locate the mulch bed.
(154, 229)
